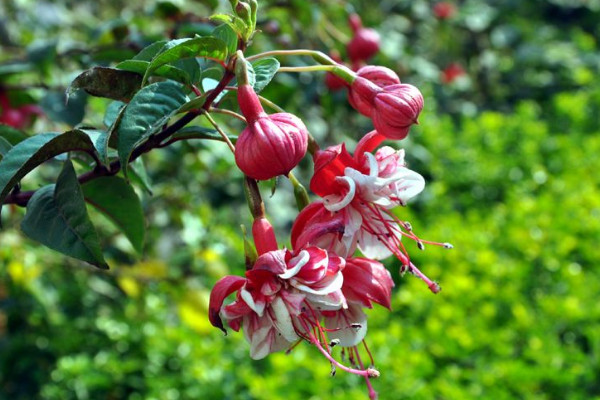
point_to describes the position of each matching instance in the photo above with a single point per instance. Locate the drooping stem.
(228, 112)
(253, 197)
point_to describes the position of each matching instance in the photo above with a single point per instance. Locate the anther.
(448, 245)
(334, 342)
(333, 370)
(408, 226)
(420, 245)
(435, 287)
(373, 373)
(356, 326)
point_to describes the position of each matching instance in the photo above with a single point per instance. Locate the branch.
(22, 198)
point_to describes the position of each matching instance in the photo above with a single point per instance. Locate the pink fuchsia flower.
(270, 145)
(358, 193)
(365, 41)
(393, 108)
(380, 76)
(281, 300)
(444, 10)
(452, 72)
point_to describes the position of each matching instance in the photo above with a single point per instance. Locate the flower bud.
(264, 236)
(395, 109)
(271, 145)
(380, 76)
(444, 10)
(365, 42)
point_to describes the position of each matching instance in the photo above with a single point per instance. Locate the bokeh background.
(508, 143)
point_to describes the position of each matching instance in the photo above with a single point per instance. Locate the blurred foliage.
(509, 151)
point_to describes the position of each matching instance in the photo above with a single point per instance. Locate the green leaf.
(139, 175)
(264, 70)
(56, 217)
(191, 66)
(166, 71)
(148, 52)
(207, 47)
(112, 113)
(148, 111)
(236, 23)
(12, 135)
(33, 151)
(228, 36)
(200, 132)
(5, 146)
(100, 140)
(111, 83)
(116, 199)
(71, 113)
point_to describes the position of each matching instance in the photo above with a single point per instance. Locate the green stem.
(218, 128)
(339, 70)
(318, 56)
(228, 112)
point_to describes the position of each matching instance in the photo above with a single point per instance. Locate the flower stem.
(228, 112)
(218, 128)
(343, 72)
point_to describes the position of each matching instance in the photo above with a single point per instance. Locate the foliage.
(511, 182)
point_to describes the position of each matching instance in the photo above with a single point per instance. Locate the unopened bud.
(271, 145)
(395, 109)
(365, 42)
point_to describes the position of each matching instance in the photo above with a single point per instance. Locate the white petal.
(335, 284)
(256, 307)
(283, 320)
(334, 203)
(350, 326)
(299, 261)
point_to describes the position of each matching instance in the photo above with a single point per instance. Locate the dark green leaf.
(264, 70)
(33, 151)
(12, 135)
(112, 113)
(100, 140)
(56, 217)
(207, 47)
(116, 199)
(200, 132)
(139, 175)
(166, 71)
(228, 36)
(191, 66)
(111, 83)
(71, 113)
(5, 146)
(148, 111)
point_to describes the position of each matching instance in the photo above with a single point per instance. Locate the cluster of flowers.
(317, 290)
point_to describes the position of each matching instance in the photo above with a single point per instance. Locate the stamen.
(370, 372)
(420, 245)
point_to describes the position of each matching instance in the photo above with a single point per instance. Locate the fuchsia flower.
(444, 10)
(307, 294)
(271, 145)
(392, 107)
(365, 42)
(358, 194)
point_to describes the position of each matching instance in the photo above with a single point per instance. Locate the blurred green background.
(509, 149)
